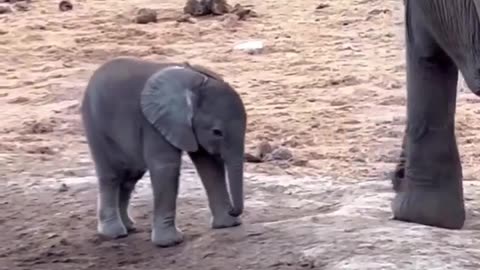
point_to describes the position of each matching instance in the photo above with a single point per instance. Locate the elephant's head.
(194, 108)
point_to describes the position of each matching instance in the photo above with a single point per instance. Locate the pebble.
(146, 15)
(250, 47)
(264, 148)
(281, 153)
(65, 5)
(63, 188)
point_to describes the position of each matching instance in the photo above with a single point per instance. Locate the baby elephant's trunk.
(235, 182)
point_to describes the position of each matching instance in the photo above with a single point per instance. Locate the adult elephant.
(442, 37)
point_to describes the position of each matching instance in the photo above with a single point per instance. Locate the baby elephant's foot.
(129, 224)
(112, 229)
(167, 237)
(225, 221)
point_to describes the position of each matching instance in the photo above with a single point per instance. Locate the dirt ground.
(329, 86)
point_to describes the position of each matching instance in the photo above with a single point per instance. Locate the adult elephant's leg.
(432, 192)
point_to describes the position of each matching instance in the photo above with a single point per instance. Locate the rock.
(281, 153)
(38, 127)
(250, 47)
(146, 15)
(300, 162)
(4, 9)
(267, 152)
(65, 5)
(243, 12)
(216, 7)
(322, 6)
(219, 7)
(378, 11)
(52, 235)
(43, 150)
(230, 21)
(185, 18)
(63, 188)
(197, 7)
(263, 149)
(252, 159)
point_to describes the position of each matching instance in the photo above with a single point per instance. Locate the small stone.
(243, 12)
(281, 153)
(43, 150)
(300, 162)
(252, 159)
(65, 5)
(264, 148)
(38, 127)
(230, 21)
(52, 235)
(197, 8)
(63, 188)
(378, 11)
(322, 6)
(185, 18)
(146, 15)
(219, 7)
(250, 47)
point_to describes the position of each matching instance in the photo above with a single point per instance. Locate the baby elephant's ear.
(166, 103)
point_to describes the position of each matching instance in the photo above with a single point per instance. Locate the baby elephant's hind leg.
(109, 220)
(126, 188)
(110, 178)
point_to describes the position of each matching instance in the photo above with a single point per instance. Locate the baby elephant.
(141, 115)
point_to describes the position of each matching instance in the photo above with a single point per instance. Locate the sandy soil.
(329, 86)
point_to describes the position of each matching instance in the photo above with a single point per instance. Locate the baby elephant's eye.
(217, 132)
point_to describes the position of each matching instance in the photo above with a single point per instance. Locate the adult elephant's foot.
(167, 236)
(112, 228)
(225, 221)
(439, 208)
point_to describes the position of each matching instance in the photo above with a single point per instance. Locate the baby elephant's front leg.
(164, 178)
(212, 173)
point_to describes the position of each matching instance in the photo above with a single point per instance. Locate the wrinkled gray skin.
(442, 37)
(141, 115)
